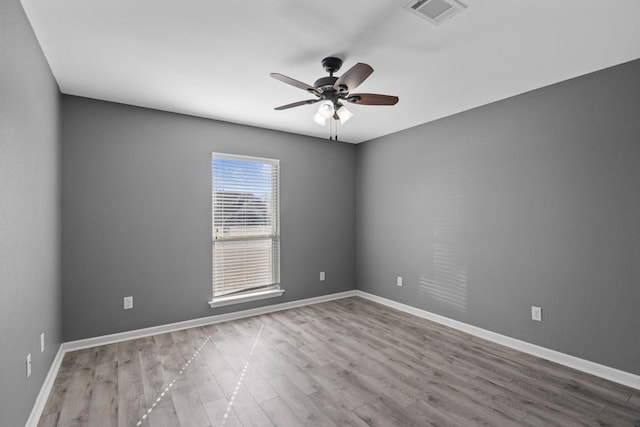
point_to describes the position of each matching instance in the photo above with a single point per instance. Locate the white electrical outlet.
(536, 313)
(42, 342)
(322, 276)
(28, 365)
(128, 303)
(399, 281)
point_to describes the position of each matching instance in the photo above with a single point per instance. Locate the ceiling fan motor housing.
(325, 84)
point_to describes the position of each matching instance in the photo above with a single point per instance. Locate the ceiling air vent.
(435, 11)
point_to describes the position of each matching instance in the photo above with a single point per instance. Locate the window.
(245, 229)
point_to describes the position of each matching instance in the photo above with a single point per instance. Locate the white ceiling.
(213, 58)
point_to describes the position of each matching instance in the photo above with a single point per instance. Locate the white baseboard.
(592, 368)
(203, 321)
(43, 395)
(602, 371)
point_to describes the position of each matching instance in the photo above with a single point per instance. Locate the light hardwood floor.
(348, 362)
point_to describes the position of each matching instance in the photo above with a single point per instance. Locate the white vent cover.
(435, 11)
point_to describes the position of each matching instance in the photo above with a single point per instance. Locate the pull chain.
(333, 136)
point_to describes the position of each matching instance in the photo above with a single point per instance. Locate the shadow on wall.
(443, 238)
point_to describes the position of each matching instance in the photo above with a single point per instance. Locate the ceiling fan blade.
(293, 82)
(354, 76)
(372, 99)
(297, 104)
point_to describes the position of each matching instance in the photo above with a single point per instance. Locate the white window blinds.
(246, 224)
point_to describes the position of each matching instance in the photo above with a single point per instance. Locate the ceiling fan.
(332, 91)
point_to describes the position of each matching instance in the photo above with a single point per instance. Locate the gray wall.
(29, 215)
(136, 214)
(534, 200)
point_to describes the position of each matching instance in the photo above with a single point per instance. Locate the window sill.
(237, 299)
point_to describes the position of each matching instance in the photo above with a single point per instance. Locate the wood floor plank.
(614, 418)
(382, 416)
(105, 354)
(363, 392)
(103, 407)
(205, 384)
(196, 334)
(249, 411)
(260, 365)
(128, 362)
(335, 408)
(538, 420)
(259, 388)
(296, 356)
(433, 415)
(537, 403)
(298, 377)
(162, 416)
(67, 365)
(220, 414)
(57, 395)
(84, 358)
(188, 407)
(214, 360)
(317, 355)
(131, 402)
(367, 377)
(228, 382)
(372, 372)
(563, 373)
(245, 406)
(441, 387)
(299, 403)
(279, 413)
(152, 372)
(49, 420)
(174, 366)
(163, 340)
(180, 336)
(75, 408)
(234, 358)
(332, 384)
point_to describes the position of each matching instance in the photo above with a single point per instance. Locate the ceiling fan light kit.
(331, 91)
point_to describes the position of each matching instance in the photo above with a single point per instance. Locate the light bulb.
(326, 109)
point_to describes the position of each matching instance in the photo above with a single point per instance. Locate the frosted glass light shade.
(319, 119)
(326, 109)
(344, 114)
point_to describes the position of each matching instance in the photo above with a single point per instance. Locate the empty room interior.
(337, 213)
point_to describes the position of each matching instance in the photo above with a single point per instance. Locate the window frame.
(266, 291)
